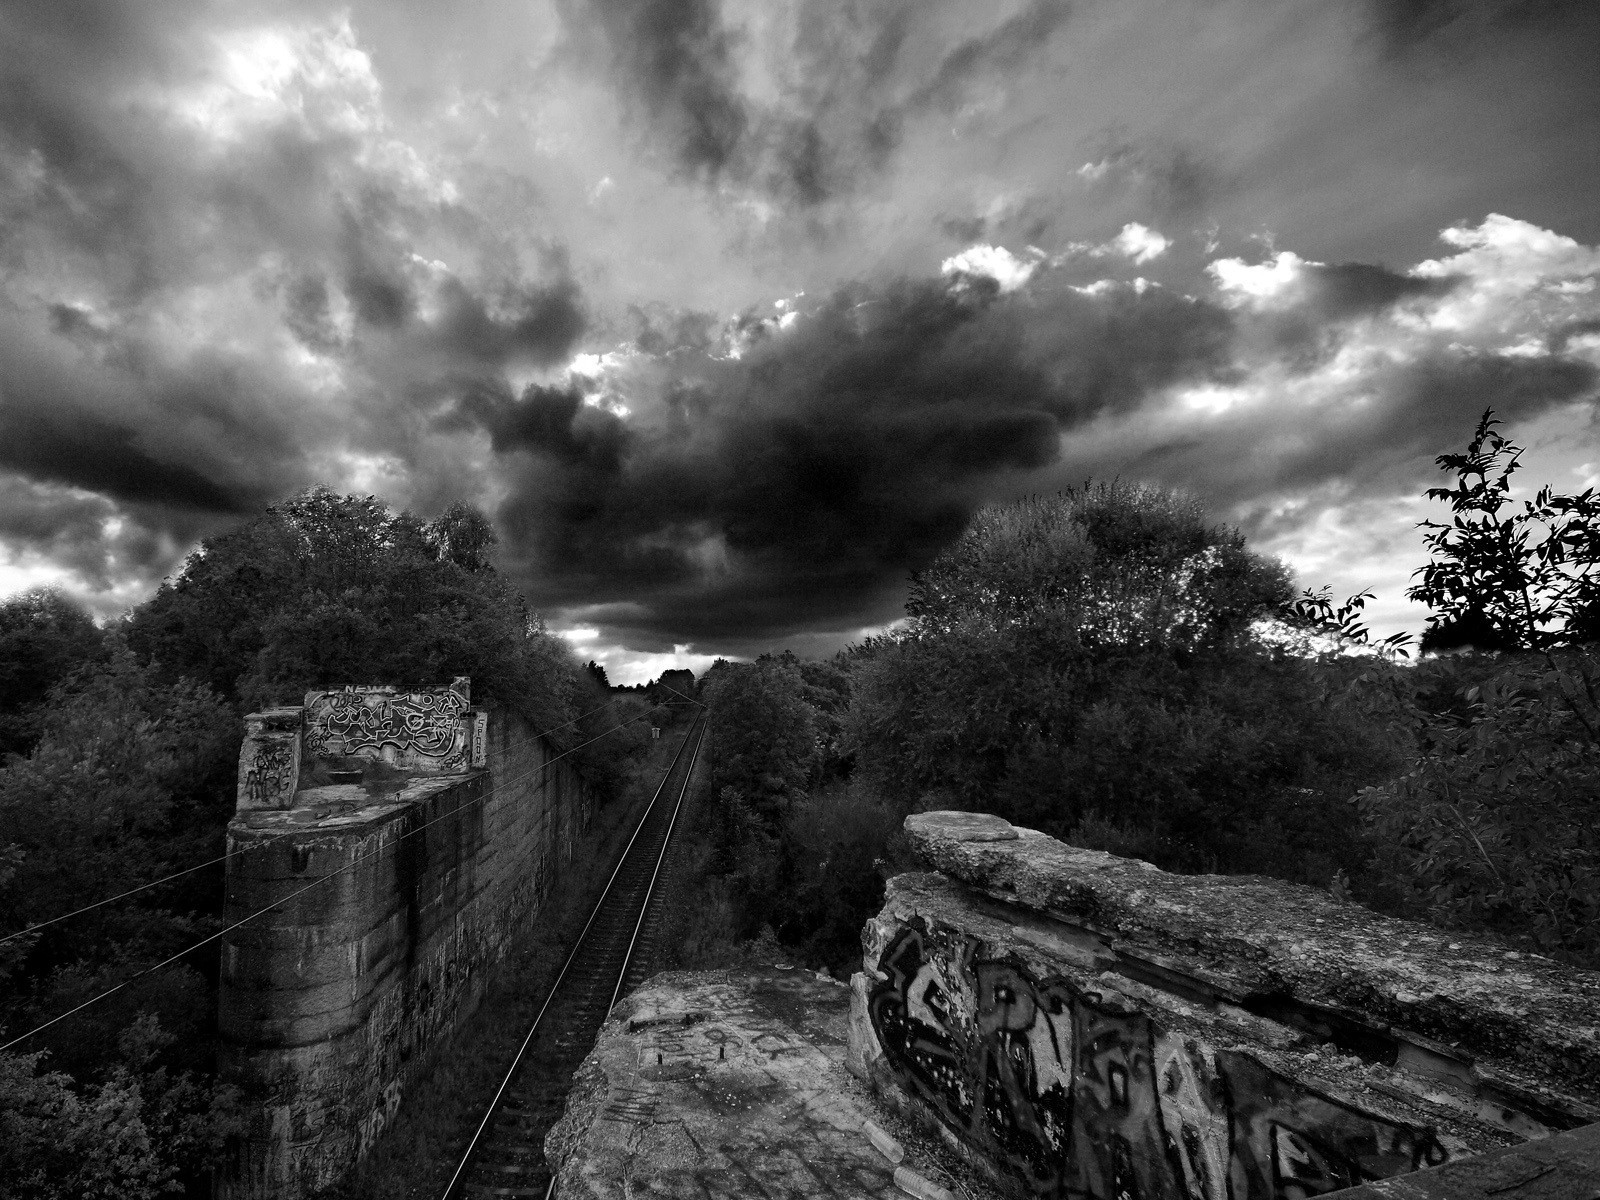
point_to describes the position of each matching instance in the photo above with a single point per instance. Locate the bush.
(142, 1132)
(836, 844)
(1496, 825)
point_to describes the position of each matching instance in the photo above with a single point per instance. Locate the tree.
(1116, 565)
(132, 778)
(1088, 664)
(44, 636)
(1494, 824)
(763, 734)
(1514, 580)
(326, 590)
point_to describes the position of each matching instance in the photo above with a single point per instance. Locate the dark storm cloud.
(107, 546)
(1408, 25)
(1344, 290)
(1005, 48)
(1427, 409)
(1308, 332)
(1411, 416)
(796, 484)
(538, 324)
(676, 62)
(674, 56)
(86, 451)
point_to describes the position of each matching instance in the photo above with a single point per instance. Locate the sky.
(731, 314)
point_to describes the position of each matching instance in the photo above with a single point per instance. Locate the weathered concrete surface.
(330, 1003)
(1086, 1025)
(1565, 1166)
(1527, 1028)
(731, 1084)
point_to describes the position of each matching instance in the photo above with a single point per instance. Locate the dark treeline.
(1109, 667)
(121, 749)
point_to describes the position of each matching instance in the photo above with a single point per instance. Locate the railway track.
(611, 956)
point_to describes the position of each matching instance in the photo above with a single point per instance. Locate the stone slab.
(1563, 1167)
(1025, 1045)
(732, 1084)
(1519, 1025)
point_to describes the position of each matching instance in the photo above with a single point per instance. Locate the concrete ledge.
(1522, 1028)
(1085, 1025)
(1563, 1167)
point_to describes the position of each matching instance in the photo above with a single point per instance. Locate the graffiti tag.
(366, 721)
(1080, 1094)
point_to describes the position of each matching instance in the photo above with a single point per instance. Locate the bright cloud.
(1258, 285)
(1139, 243)
(991, 262)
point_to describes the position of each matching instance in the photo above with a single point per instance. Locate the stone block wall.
(1085, 1025)
(330, 1003)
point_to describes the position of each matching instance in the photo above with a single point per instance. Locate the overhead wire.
(221, 858)
(111, 991)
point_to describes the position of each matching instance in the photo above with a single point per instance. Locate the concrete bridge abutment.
(398, 842)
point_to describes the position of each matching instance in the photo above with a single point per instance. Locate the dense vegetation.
(124, 745)
(1109, 667)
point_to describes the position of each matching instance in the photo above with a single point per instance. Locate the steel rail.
(458, 1180)
(649, 894)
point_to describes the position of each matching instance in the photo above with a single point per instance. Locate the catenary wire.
(221, 858)
(111, 991)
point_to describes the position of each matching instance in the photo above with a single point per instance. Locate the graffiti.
(1080, 1094)
(269, 768)
(420, 729)
(480, 739)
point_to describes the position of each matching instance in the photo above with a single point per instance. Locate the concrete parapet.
(1087, 1025)
(391, 889)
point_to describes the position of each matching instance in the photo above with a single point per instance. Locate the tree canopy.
(1092, 657)
(328, 590)
(44, 636)
(1115, 565)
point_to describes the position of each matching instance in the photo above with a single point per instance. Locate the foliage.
(763, 735)
(1239, 761)
(131, 780)
(1112, 564)
(44, 636)
(1088, 663)
(1522, 580)
(836, 843)
(326, 590)
(132, 743)
(1494, 824)
(792, 847)
(620, 733)
(1497, 823)
(142, 1131)
(1314, 612)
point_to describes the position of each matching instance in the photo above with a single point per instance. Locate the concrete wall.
(1084, 1025)
(330, 1004)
